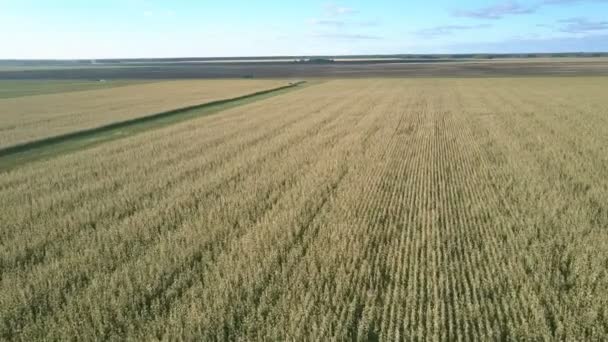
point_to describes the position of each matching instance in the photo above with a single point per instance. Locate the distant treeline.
(301, 59)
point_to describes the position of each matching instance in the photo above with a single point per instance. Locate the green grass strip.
(14, 156)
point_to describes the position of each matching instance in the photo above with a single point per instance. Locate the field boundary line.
(16, 155)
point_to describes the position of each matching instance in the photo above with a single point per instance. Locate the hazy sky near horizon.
(188, 28)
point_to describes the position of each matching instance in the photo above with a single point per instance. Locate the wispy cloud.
(340, 23)
(582, 25)
(328, 22)
(511, 7)
(334, 10)
(347, 36)
(368, 23)
(497, 11)
(343, 23)
(444, 30)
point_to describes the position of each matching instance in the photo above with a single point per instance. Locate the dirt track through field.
(33, 118)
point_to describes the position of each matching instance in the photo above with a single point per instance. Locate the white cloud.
(448, 30)
(335, 10)
(583, 25)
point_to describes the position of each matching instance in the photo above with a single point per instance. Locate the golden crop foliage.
(392, 209)
(31, 118)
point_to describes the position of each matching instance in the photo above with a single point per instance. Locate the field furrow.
(30, 118)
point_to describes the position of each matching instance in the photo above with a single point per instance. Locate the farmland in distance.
(19, 88)
(392, 209)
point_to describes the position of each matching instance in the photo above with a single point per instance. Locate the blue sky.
(187, 28)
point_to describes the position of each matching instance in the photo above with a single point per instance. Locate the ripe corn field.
(373, 209)
(31, 118)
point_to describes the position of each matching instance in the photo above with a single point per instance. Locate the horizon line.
(395, 55)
